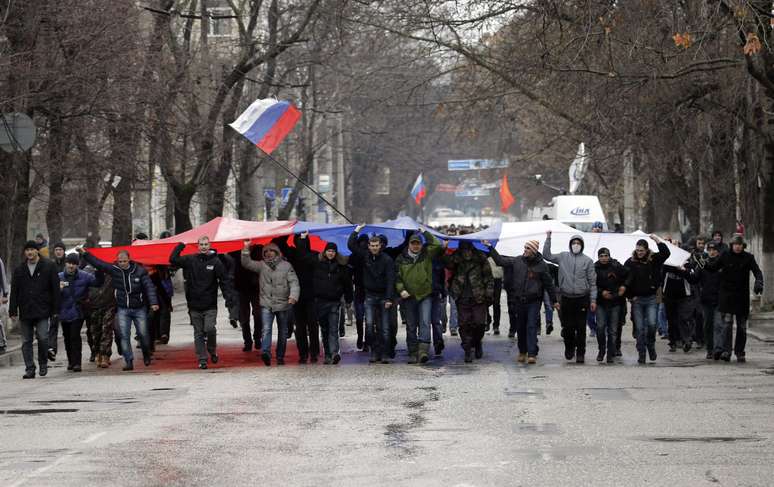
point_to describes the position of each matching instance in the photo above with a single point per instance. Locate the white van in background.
(578, 211)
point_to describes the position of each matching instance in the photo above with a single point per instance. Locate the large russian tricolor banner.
(265, 123)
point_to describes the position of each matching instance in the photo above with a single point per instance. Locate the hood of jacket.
(274, 247)
(576, 237)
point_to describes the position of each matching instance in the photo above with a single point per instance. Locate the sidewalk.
(761, 326)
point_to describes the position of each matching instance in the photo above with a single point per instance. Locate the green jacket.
(477, 270)
(416, 276)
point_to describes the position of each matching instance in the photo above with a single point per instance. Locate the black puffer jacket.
(610, 277)
(377, 272)
(735, 269)
(331, 279)
(132, 286)
(645, 274)
(202, 273)
(525, 279)
(35, 297)
(709, 284)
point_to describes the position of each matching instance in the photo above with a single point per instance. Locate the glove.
(758, 288)
(404, 294)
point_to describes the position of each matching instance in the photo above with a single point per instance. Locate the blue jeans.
(267, 321)
(29, 330)
(417, 321)
(453, 324)
(527, 321)
(139, 316)
(436, 318)
(548, 308)
(377, 321)
(663, 325)
(327, 314)
(645, 312)
(607, 328)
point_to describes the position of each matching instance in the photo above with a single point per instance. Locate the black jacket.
(610, 277)
(677, 283)
(202, 274)
(378, 272)
(735, 272)
(645, 275)
(35, 297)
(331, 279)
(709, 285)
(525, 279)
(132, 286)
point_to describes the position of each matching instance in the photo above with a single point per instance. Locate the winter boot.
(522, 358)
(412, 355)
(423, 353)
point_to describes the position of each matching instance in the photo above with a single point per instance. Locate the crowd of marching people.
(422, 283)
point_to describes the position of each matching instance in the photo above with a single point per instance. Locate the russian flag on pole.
(418, 191)
(265, 123)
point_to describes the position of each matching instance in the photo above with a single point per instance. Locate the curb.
(760, 336)
(12, 356)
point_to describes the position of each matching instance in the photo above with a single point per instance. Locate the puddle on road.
(607, 393)
(163, 389)
(414, 404)
(555, 453)
(37, 411)
(64, 401)
(705, 439)
(529, 393)
(536, 428)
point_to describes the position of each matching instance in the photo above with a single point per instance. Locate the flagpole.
(275, 161)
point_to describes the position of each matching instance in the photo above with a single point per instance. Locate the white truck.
(579, 211)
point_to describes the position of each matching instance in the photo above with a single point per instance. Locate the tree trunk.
(183, 196)
(58, 147)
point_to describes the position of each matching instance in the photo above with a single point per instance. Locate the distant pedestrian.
(74, 284)
(414, 285)
(279, 291)
(34, 299)
(331, 281)
(53, 326)
(611, 277)
(472, 287)
(3, 301)
(527, 280)
(735, 267)
(578, 290)
(42, 244)
(203, 272)
(133, 291)
(709, 285)
(645, 271)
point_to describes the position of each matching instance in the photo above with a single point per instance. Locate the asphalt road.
(682, 421)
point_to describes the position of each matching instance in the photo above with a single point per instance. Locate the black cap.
(712, 245)
(603, 251)
(59, 245)
(643, 243)
(72, 259)
(415, 238)
(331, 245)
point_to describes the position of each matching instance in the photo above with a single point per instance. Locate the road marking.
(58, 461)
(94, 437)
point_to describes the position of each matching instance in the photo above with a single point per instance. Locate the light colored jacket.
(577, 276)
(276, 283)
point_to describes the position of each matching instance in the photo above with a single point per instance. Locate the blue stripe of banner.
(266, 121)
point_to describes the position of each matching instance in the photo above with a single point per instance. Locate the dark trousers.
(725, 330)
(377, 319)
(307, 330)
(53, 334)
(527, 323)
(496, 311)
(712, 320)
(31, 329)
(327, 314)
(679, 314)
(359, 307)
(573, 314)
(512, 314)
(249, 305)
(71, 331)
(159, 322)
(472, 320)
(607, 325)
(698, 321)
(205, 333)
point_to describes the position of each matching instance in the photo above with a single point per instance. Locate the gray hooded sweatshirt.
(277, 280)
(577, 277)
